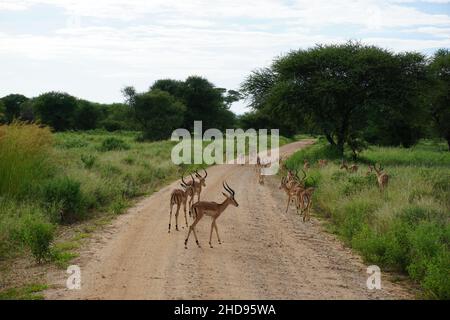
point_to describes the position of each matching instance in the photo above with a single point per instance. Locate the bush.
(356, 184)
(38, 236)
(88, 160)
(437, 278)
(357, 214)
(426, 242)
(72, 142)
(112, 125)
(112, 143)
(66, 193)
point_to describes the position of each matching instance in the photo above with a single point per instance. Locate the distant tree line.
(167, 105)
(353, 94)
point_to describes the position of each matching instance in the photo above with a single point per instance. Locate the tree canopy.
(349, 92)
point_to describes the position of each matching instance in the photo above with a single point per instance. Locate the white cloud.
(119, 42)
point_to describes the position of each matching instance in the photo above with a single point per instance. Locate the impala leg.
(185, 215)
(190, 206)
(288, 203)
(309, 209)
(192, 228)
(176, 215)
(217, 232)
(210, 234)
(170, 217)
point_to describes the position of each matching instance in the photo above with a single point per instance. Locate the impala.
(352, 168)
(259, 170)
(304, 197)
(382, 177)
(189, 191)
(322, 163)
(212, 209)
(179, 197)
(198, 185)
(291, 189)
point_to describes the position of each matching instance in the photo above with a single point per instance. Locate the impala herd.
(295, 188)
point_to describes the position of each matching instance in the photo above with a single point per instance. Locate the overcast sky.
(92, 49)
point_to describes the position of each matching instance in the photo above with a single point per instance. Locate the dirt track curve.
(265, 254)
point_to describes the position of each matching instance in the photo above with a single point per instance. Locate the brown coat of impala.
(198, 185)
(179, 198)
(212, 209)
(382, 177)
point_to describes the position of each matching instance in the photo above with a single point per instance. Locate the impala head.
(185, 184)
(201, 178)
(369, 170)
(379, 169)
(290, 175)
(230, 195)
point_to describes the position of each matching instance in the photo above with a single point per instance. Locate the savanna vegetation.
(51, 179)
(65, 159)
(404, 228)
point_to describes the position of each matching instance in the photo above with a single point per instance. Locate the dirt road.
(265, 254)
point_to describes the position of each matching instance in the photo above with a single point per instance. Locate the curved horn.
(206, 173)
(228, 188)
(182, 179)
(225, 187)
(197, 174)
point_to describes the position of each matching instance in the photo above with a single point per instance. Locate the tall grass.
(71, 176)
(406, 228)
(25, 153)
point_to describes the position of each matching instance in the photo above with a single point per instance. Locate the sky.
(92, 49)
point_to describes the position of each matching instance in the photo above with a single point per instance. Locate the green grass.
(50, 179)
(406, 228)
(28, 292)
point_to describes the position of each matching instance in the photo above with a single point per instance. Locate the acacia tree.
(56, 109)
(203, 101)
(439, 93)
(12, 106)
(157, 111)
(334, 88)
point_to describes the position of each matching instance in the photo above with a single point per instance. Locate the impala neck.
(224, 205)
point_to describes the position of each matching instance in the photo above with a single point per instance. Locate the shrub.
(72, 142)
(357, 213)
(437, 278)
(112, 143)
(426, 242)
(112, 125)
(88, 160)
(129, 160)
(38, 236)
(65, 192)
(356, 184)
